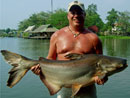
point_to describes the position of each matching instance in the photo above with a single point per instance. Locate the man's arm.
(97, 44)
(98, 48)
(51, 55)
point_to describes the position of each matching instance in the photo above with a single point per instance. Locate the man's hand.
(100, 81)
(36, 69)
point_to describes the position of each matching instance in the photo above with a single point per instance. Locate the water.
(118, 85)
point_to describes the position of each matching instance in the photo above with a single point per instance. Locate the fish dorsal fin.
(74, 56)
(53, 88)
(75, 89)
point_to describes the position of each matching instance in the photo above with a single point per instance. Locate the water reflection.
(37, 48)
(116, 47)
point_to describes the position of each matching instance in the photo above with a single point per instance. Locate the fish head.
(111, 65)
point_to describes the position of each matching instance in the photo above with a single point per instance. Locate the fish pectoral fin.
(75, 89)
(73, 56)
(53, 88)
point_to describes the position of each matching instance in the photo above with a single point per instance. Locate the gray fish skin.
(74, 74)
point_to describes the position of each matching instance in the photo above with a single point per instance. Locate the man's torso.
(67, 43)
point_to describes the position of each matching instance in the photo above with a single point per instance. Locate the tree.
(93, 18)
(34, 19)
(112, 18)
(7, 30)
(92, 9)
(38, 19)
(124, 21)
(23, 25)
(58, 19)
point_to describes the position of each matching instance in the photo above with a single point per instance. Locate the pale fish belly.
(67, 76)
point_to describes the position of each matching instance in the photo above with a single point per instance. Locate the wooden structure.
(44, 31)
(30, 28)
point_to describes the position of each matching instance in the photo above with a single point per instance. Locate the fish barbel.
(76, 73)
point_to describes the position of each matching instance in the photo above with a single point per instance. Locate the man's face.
(76, 17)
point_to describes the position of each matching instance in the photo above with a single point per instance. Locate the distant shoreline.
(114, 37)
(100, 36)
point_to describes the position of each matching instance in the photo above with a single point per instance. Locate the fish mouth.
(123, 64)
(123, 67)
(117, 69)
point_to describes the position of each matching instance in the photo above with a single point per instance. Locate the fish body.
(76, 73)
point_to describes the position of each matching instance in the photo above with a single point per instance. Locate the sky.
(14, 11)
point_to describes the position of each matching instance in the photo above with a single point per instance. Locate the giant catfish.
(76, 73)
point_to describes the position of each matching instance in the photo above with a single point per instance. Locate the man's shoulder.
(59, 32)
(63, 29)
(93, 36)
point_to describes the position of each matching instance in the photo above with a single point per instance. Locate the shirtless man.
(74, 38)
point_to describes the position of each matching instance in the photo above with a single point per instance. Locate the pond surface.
(118, 85)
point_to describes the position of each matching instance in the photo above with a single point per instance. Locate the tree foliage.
(112, 17)
(7, 30)
(92, 9)
(93, 18)
(120, 20)
(58, 18)
(124, 21)
(34, 19)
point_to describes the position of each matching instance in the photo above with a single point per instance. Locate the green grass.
(114, 37)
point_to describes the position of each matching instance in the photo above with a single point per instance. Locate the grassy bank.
(114, 37)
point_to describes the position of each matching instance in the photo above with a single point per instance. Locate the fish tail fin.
(19, 69)
(16, 75)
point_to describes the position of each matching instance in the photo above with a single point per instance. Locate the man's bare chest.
(81, 45)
